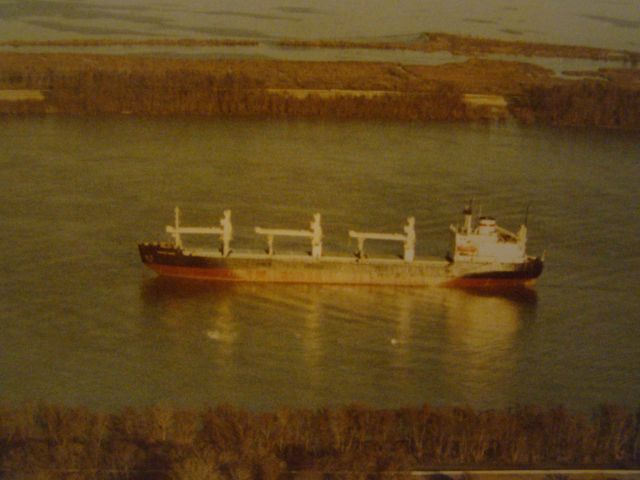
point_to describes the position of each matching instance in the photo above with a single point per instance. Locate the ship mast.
(314, 233)
(225, 231)
(409, 239)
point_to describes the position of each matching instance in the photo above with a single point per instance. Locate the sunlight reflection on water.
(372, 330)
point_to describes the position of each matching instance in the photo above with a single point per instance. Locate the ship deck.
(298, 257)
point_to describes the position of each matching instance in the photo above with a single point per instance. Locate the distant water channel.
(82, 322)
(599, 23)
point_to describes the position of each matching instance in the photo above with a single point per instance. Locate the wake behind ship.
(482, 254)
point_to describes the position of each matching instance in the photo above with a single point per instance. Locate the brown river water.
(83, 322)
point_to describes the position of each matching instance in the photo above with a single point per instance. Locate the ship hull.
(167, 260)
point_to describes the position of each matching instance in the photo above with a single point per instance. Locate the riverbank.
(474, 90)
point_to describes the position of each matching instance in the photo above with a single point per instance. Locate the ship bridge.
(487, 242)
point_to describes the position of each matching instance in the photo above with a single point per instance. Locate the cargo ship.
(482, 254)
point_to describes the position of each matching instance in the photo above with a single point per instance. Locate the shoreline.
(472, 46)
(428, 42)
(477, 89)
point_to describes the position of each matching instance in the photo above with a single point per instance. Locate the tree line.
(94, 84)
(223, 442)
(584, 103)
(231, 93)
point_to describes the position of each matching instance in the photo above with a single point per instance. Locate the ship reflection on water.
(482, 330)
(165, 288)
(319, 344)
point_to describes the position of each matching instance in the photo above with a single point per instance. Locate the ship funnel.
(468, 215)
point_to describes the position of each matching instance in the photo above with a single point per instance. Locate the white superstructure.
(486, 242)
